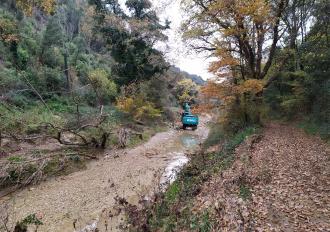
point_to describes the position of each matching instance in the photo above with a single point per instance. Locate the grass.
(172, 192)
(201, 223)
(315, 128)
(15, 159)
(173, 211)
(215, 136)
(244, 192)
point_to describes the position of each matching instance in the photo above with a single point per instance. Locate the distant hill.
(195, 78)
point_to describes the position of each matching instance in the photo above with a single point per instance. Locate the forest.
(274, 57)
(84, 80)
(66, 63)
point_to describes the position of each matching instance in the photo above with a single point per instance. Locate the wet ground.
(85, 200)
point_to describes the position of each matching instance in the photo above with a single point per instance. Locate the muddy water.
(84, 200)
(189, 142)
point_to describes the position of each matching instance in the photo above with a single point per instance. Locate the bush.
(9, 80)
(105, 89)
(215, 136)
(290, 94)
(138, 107)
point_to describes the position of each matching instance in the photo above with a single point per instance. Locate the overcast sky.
(177, 53)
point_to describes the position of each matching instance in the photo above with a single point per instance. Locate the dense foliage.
(65, 62)
(272, 59)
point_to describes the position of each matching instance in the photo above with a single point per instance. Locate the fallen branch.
(124, 135)
(16, 138)
(36, 176)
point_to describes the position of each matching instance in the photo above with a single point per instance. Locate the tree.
(130, 39)
(138, 107)
(61, 31)
(27, 6)
(186, 91)
(236, 32)
(243, 36)
(295, 18)
(103, 87)
(139, 8)
(8, 29)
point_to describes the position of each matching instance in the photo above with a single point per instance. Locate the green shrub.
(215, 136)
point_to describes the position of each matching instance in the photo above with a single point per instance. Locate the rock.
(217, 205)
(213, 149)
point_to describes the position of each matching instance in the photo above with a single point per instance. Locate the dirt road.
(85, 199)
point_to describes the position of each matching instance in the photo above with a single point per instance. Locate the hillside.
(195, 78)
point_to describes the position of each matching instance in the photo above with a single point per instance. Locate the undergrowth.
(17, 171)
(33, 165)
(316, 128)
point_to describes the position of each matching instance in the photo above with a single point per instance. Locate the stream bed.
(189, 142)
(86, 198)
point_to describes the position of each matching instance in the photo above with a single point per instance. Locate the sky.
(176, 51)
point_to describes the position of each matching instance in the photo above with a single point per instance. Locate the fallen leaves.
(288, 174)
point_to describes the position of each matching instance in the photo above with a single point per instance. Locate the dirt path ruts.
(83, 197)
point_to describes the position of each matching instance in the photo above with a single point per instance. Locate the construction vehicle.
(188, 119)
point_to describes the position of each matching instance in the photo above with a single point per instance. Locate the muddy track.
(84, 199)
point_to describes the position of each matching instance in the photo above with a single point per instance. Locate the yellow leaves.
(186, 90)
(222, 63)
(138, 107)
(252, 86)
(226, 94)
(135, 103)
(27, 6)
(225, 59)
(258, 10)
(125, 104)
(100, 81)
(211, 89)
(215, 95)
(242, 10)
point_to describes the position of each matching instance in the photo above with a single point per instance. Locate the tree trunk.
(279, 13)
(66, 71)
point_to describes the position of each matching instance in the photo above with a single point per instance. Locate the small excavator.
(188, 119)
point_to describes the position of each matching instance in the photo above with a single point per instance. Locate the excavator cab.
(188, 119)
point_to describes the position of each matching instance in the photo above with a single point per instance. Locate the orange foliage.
(226, 59)
(252, 86)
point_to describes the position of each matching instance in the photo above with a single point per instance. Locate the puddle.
(172, 170)
(189, 141)
(90, 228)
(186, 141)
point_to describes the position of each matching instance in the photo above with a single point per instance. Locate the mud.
(85, 200)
